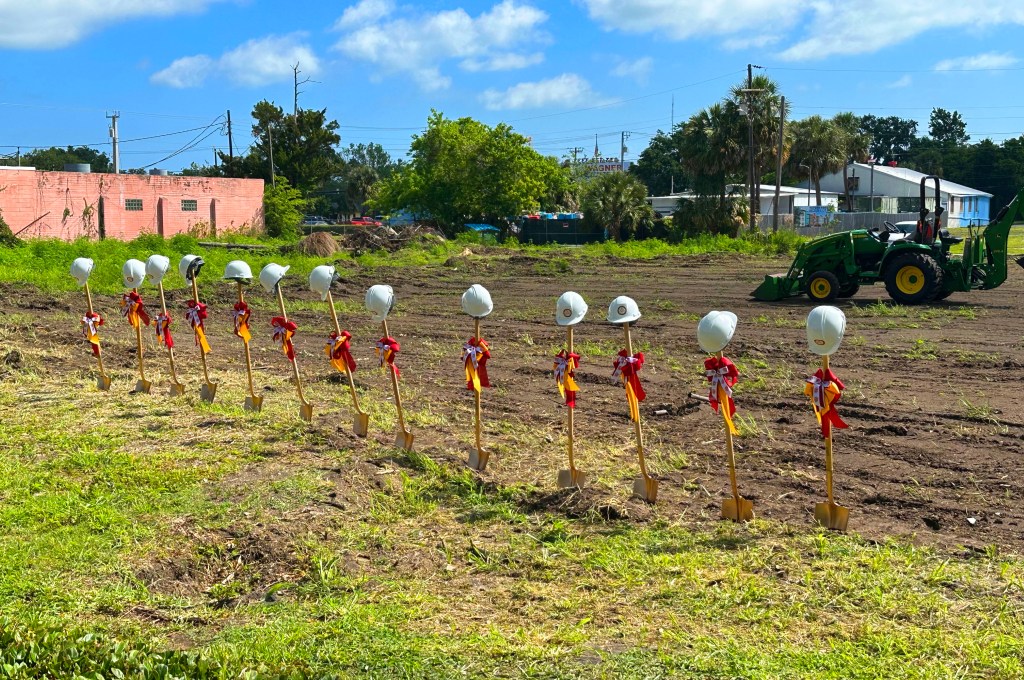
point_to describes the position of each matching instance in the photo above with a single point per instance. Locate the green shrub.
(282, 209)
(7, 237)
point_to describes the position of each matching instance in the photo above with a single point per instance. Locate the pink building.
(68, 205)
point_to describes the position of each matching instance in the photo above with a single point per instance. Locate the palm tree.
(855, 143)
(763, 108)
(820, 146)
(617, 201)
(711, 148)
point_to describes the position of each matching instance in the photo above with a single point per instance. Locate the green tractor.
(916, 268)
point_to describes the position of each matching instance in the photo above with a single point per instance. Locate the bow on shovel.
(824, 389)
(90, 326)
(241, 316)
(626, 366)
(722, 376)
(386, 349)
(163, 336)
(133, 310)
(196, 315)
(475, 355)
(284, 332)
(566, 363)
(361, 420)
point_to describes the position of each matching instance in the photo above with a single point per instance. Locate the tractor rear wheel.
(849, 290)
(913, 278)
(823, 286)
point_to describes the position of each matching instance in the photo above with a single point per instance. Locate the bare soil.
(936, 430)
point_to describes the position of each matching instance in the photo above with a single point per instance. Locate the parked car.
(313, 221)
(366, 222)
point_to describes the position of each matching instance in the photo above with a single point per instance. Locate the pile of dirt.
(319, 244)
(389, 239)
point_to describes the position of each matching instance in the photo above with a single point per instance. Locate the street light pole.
(750, 143)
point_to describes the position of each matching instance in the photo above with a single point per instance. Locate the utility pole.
(270, 143)
(231, 145)
(778, 162)
(622, 151)
(113, 136)
(574, 151)
(750, 144)
(17, 155)
(673, 113)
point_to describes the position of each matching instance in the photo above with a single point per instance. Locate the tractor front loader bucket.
(776, 287)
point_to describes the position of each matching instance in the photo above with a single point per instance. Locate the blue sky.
(559, 72)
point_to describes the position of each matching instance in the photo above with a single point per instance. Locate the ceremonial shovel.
(252, 402)
(403, 439)
(645, 487)
(571, 477)
(828, 514)
(142, 386)
(177, 389)
(102, 380)
(737, 508)
(478, 458)
(208, 390)
(361, 422)
(305, 408)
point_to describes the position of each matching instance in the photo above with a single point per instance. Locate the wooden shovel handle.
(170, 350)
(348, 373)
(636, 423)
(295, 361)
(394, 383)
(248, 355)
(202, 354)
(99, 350)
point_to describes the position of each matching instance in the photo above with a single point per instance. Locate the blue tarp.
(483, 228)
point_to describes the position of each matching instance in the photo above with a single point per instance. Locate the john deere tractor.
(916, 267)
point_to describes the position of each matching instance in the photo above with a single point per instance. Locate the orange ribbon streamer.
(90, 329)
(387, 348)
(163, 330)
(340, 352)
(825, 389)
(722, 375)
(566, 364)
(475, 354)
(627, 367)
(133, 310)
(196, 316)
(241, 319)
(284, 330)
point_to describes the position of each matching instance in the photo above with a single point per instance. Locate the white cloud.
(567, 89)
(757, 42)
(253, 63)
(683, 19)
(638, 69)
(905, 81)
(365, 12)
(839, 27)
(418, 45)
(51, 24)
(988, 60)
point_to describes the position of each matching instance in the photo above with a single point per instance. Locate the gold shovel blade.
(361, 424)
(478, 459)
(103, 383)
(737, 509)
(208, 392)
(831, 516)
(306, 412)
(254, 404)
(569, 479)
(142, 387)
(176, 390)
(646, 489)
(403, 440)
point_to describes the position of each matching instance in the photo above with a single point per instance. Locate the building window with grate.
(133, 204)
(189, 205)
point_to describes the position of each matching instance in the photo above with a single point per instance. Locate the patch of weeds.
(553, 267)
(749, 426)
(978, 411)
(687, 316)
(922, 349)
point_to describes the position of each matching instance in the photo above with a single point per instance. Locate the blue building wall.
(975, 210)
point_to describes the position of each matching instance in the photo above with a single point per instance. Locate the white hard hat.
(476, 301)
(715, 331)
(156, 268)
(379, 300)
(238, 270)
(321, 278)
(80, 269)
(134, 273)
(271, 275)
(623, 310)
(189, 266)
(570, 309)
(825, 328)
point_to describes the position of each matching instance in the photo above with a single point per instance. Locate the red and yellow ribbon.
(722, 375)
(196, 316)
(475, 354)
(133, 310)
(340, 352)
(566, 364)
(284, 330)
(387, 348)
(91, 323)
(627, 367)
(241, 320)
(163, 330)
(824, 389)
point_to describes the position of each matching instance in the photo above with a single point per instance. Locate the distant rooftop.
(914, 177)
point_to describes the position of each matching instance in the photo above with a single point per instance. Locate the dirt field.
(932, 399)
